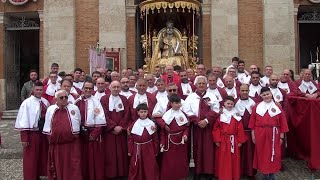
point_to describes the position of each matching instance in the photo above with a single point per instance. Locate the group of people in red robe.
(224, 125)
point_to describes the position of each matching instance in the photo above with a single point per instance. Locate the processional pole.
(193, 34)
(146, 33)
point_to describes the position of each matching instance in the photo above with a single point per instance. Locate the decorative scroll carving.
(310, 16)
(21, 24)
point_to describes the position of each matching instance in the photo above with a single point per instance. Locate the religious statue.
(169, 50)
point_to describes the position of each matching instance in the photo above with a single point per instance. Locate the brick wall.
(87, 30)
(251, 31)
(131, 42)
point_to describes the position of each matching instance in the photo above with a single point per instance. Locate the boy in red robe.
(143, 147)
(62, 125)
(30, 122)
(268, 123)
(228, 134)
(173, 142)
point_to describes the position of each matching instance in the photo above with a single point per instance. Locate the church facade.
(36, 33)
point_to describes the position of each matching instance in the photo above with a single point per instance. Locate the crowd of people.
(141, 126)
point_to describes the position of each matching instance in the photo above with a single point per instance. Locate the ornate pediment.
(18, 2)
(315, 1)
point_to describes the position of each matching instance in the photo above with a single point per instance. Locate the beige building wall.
(279, 37)
(112, 26)
(224, 31)
(59, 34)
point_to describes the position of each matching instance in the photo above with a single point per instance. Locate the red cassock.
(203, 146)
(247, 148)
(64, 148)
(180, 91)
(36, 151)
(152, 101)
(143, 150)
(175, 79)
(222, 94)
(92, 161)
(115, 146)
(175, 155)
(228, 163)
(265, 129)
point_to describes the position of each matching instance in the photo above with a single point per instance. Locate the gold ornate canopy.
(187, 39)
(152, 5)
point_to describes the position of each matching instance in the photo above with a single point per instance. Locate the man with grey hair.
(115, 76)
(202, 108)
(62, 125)
(101, 88)
(117, 113)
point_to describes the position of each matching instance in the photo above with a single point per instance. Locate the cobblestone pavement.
(11, 162)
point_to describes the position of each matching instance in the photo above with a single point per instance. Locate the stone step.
(9, 115)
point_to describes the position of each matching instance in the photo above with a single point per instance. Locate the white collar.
(73, 116)
(94, 112)
(52, 89)
(152, 89)
(161, 95)
(253, 90)
(227, 115)
(277, 95)
(270, 107)
(29, 113)
(99, 94)
(140, 124)
(171, 114)
(192, 103)
(307, 86)
(243, 105)
(139, 99)
(126, 94)
(220, 83)
(186, 89)
(115, 103)
(216, 93)
(284, 86)
(71, 99)
(232, 92)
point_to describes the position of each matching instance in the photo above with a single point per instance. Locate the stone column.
(2, 65)
(296, 37)
(224, 31)
(41, 63)
(112, 27)
(279, 37)
(131, 34)
(59, 34)
(206, 33)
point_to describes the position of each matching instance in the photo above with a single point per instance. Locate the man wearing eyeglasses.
(202, 109)
(62, 125)
(117, 113)
(30, 122)
(66, 85)
(141, 97)
(51, 88)
(54, 69)
(92, 121)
